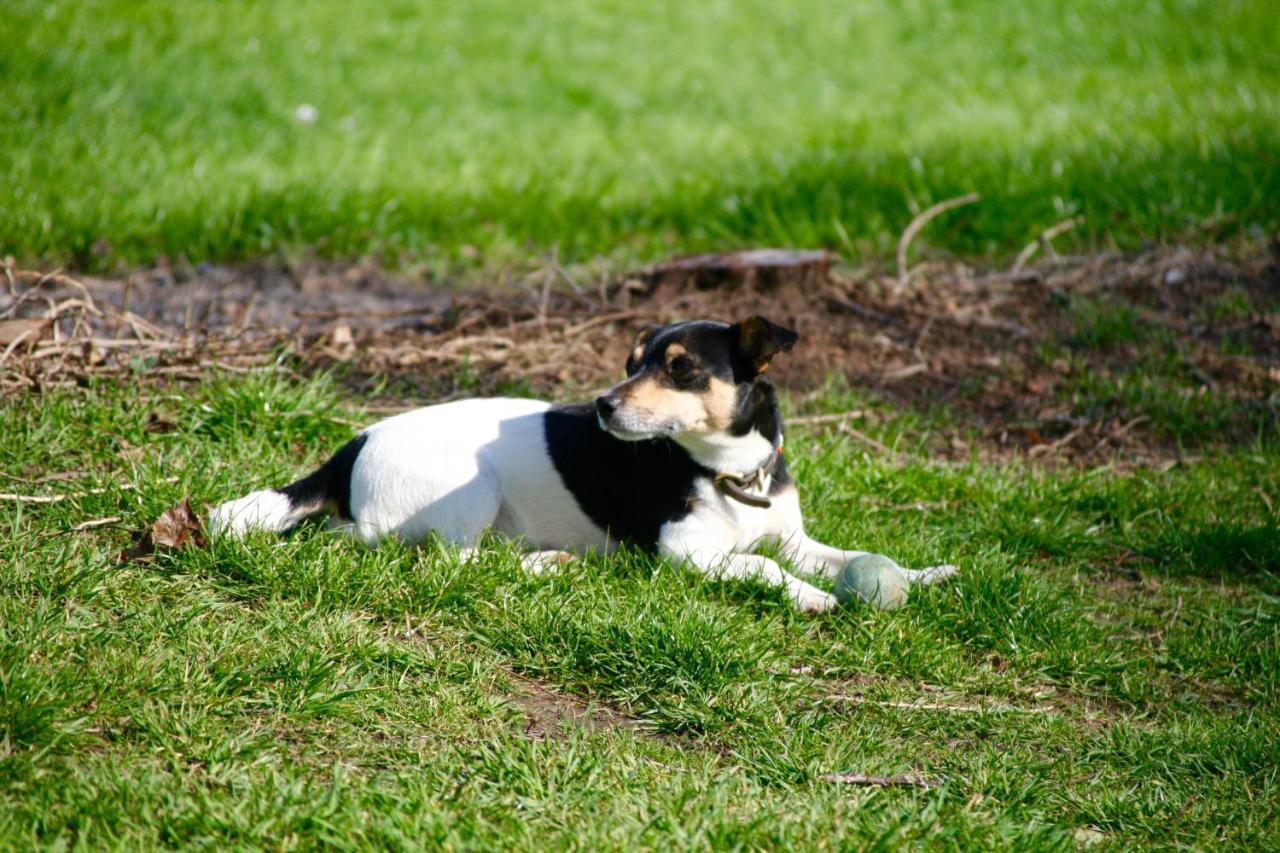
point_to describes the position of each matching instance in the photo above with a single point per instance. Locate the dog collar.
(736, 485)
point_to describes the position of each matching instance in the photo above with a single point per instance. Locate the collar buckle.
(735, 486)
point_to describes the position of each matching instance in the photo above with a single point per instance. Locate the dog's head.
(696, 378)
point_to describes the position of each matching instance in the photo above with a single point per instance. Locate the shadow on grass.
(1222, 550)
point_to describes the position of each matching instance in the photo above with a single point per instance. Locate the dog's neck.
(724, 453)
(750, 443)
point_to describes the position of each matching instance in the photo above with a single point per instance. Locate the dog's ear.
(757, 340)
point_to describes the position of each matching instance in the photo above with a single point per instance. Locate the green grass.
(298, 691)
(132, 129)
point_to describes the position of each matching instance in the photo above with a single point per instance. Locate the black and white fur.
(638, 466)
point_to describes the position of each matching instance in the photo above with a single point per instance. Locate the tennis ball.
(873, 579)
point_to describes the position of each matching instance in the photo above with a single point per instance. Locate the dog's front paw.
(810, 599)
(546, 562)
(931, 575)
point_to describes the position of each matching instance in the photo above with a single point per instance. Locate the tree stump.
(758, 269)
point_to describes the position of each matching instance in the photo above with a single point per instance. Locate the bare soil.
(1008, 355)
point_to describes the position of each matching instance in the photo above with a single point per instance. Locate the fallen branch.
(53, 499)
(849, 306)
(866, 439)
(811, 420)
(58, 477)
(905, 372)
(1055, 446)
(941, 706)
(1116, 434)
(46, 499)
(920, 222)
(905, 779)
(333, 314)
(95, 522)
(585, 325)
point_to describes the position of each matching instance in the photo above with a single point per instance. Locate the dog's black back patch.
(328, 484)
(628, 488)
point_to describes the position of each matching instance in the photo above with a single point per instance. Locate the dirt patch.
(1029, 701)
(1141, 357)
(552, 715)
(549, 714)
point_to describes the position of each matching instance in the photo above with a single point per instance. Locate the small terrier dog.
(683, 458)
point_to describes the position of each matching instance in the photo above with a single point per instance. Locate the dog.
(683, 458)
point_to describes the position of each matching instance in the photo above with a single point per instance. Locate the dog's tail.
(327, 489)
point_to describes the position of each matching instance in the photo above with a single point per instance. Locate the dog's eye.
(681, 365)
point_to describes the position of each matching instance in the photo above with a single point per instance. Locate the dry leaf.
(176, 527)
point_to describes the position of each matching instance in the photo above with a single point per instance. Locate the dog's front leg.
(809, 555)
(720, 565)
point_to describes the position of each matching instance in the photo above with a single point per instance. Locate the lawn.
(132, 129)
(1094, 440)
(1106, 669)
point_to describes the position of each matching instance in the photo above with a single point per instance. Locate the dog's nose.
(607, 405)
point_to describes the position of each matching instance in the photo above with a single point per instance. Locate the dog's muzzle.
(607, 406)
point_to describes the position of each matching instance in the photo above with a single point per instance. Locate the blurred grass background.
(131, 129)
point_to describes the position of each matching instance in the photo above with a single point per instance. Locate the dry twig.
(813, 420)
(911, 780)
(866, 439)
(1055, 446)
(95, 522)
(917, 224)
(1168, 625)
(941, 706)
(53, 499)
(1043, 241)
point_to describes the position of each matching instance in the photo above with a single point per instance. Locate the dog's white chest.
(721, 522)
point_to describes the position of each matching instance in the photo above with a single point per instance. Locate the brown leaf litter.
(1004, 351)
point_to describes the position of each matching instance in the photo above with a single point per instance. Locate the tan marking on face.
(674, 351)
(637, 353)
(710, 410)
(665, 404)
(720, 401)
